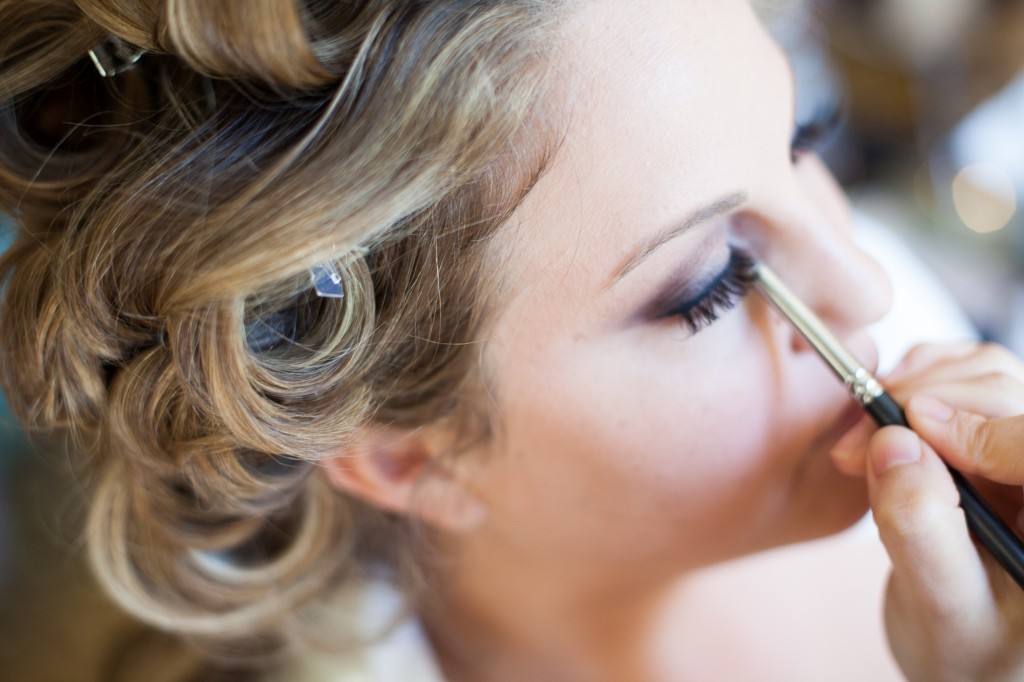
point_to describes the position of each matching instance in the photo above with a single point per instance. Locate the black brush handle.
(994, 535)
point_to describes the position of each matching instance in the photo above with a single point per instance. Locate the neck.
(498, 618)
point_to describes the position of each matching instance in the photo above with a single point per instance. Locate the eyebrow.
(697, 217)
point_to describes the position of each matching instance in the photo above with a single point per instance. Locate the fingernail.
(931, 409)
(899, 447)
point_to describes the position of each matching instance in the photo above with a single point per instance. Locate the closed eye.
(809, 134)
(719, 296)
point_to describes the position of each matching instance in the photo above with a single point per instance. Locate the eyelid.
(686, 299)
(722, 293)
(810, 133)
(684, 285)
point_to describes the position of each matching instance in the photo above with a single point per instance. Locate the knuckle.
(908, 518)
(994, 353)
(988, 347)
(980, 447)
(1001, 381)
(922, 356)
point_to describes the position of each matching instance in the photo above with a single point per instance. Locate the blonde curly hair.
(157, 307)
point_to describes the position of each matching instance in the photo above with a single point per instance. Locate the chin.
(835, 503)
(821, 501)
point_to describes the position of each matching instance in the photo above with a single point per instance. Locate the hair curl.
(157, 304)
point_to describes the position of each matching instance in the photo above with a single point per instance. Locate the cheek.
(676, 441)
(707, 439)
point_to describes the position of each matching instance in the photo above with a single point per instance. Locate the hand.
(951, 612)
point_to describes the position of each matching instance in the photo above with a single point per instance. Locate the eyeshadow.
(682, 292)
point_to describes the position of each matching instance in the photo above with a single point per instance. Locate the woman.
(543, 397)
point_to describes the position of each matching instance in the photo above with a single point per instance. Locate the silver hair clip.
(327, 280)
(114, 56)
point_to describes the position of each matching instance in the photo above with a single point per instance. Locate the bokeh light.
(985, 197)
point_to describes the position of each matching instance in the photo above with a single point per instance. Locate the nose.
(801, 227)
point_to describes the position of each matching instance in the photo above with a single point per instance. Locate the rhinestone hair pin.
(114, 56)
(327, 280)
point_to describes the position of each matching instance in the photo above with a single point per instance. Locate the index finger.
(991, 448)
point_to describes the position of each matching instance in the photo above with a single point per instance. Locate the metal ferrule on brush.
(858, 380)
(990, 530)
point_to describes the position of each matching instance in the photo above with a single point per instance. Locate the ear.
(401, 470)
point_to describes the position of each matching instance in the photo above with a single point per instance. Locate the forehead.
(657, 95)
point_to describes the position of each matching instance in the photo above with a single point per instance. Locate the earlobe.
(402, 471)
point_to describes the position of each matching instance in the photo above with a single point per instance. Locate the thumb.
(991, 448)
(936, 568)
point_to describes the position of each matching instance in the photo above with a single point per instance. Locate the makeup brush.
(989, 529)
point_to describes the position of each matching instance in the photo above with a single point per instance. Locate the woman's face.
(625, 437)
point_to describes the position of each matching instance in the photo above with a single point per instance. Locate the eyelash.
(737, 279)
(720, 296)
(809, 134)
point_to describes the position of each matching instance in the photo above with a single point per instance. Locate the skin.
(630, 453)
(633, 458)
(951, 613)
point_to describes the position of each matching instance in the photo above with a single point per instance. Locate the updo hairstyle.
(157, 308)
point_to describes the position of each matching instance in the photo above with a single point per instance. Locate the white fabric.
(402, 655)
(922, 308)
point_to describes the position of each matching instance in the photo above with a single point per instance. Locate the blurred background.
(930, 142)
